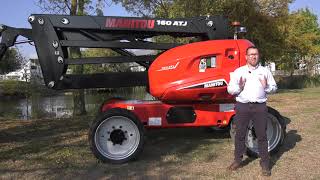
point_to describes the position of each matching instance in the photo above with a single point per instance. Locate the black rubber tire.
(277, 117)
(116, 112)
(218, 129)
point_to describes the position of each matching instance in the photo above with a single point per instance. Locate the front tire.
(116, 136)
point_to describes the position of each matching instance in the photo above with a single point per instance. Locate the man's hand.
(263, 82)
(242, 82)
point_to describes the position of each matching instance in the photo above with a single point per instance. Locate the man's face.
(252, 57)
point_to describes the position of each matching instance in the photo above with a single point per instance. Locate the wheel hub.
(117, 136)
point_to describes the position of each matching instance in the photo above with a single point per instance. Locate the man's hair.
(251, 47)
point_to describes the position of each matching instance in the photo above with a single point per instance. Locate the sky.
(15, 13)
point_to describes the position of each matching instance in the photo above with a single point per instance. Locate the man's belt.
(252, 102)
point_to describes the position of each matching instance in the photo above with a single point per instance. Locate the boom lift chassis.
(189, 80)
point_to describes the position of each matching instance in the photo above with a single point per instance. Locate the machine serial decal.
(171, 23)
(171, 67)
(208, 84)
(129, 23)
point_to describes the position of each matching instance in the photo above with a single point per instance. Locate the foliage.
(259, 16)
(11, 61)
(14, 88)
(90, 7)
(82, 7)
(108, 67)
(144, 7)
(302, 40)
(282, 37)
(297, 82)
(72, 7)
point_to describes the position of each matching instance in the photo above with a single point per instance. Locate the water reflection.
(61, 105)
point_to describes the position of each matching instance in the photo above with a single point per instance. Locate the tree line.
(282, 36)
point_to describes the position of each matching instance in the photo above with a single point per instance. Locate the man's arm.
(271, 83)
(234, 87)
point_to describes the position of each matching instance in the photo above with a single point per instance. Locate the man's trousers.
(258, 113)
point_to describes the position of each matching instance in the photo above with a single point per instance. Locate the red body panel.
(207, 114)
(175, 76)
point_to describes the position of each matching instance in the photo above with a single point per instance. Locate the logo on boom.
(129, 23)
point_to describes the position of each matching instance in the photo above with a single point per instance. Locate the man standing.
(250, 83)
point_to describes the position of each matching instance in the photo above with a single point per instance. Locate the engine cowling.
(197, 71)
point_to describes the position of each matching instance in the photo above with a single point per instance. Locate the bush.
(297, 81)
(14, 88)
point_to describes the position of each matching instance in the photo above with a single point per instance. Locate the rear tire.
(116, 136)
(276, 130)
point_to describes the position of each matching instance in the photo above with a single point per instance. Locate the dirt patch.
(58, 149)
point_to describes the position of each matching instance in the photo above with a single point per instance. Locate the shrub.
(297, 81)
(14, 88)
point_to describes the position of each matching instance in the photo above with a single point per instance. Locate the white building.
(302, 65)
(22, 74)
(2, 77)
(36, 73)
(271, 66)
(30, 71)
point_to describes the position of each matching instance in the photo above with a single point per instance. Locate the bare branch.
(67, 5)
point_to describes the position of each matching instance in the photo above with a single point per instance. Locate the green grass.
(58, 149)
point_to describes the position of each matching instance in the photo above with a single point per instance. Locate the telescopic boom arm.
(54, 35)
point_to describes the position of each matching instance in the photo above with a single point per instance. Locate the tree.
(302, 41)
(145, 7)
(11, 61)
(79, 108)
(101, 68)
(261, 17)
(80, 7)
(67, 6)
(72, 7)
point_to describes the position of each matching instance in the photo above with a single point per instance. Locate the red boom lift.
(188, 80)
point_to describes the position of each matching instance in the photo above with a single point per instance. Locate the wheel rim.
(117, 137)
(273, 134)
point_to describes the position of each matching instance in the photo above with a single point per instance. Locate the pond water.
(61, 105)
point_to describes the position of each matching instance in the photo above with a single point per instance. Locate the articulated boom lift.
(189, 80)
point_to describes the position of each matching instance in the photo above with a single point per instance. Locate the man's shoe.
(234, 166)
(265, 171)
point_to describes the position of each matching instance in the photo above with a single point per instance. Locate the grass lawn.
(58, 149)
